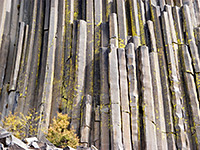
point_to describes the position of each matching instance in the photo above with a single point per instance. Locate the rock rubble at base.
(10, 142)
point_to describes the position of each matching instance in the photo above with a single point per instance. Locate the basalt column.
(126, 72)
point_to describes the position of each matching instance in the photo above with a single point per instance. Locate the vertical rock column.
(197, 37)
(174, 87)
(28, 59)
(97, 44)
(87, 101)
(80, 62)
(12, 35)
(121, 17)
(142, 21)
(16, 67)
(177, 41)
(115, 114)
(155, 12)
(149, 138)
(104, 100)
(192, 45)
(45, 108)
(43, 54)
(157, 92)
(134, 18)
(86, 120)
(113, 30)
(59, 61)
(133, 94)
(67, 82)
(3, 88)
(192, 101)
(125, 110)
(35, 59)
(20, 83)
(2, 18)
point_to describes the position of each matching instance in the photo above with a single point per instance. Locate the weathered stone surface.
(4, 101)
(175, 90)
(170, 2)
(133, 93)
(22, 87)
(105, 127)
(164, 78)
(79, 73)
(47, 14)
(116, 136)
(46, 102)
(104, 97)
(178, 28)
(113, 30)
(3, 60)
(13, 36)
(104, 34)
(90, 48)
(142, 21)
(152, 36)
(158, 102)
(29, 56)
(124, 98)
(191, 93)
(69, 75)
(35, 58)
(59, 62)
(188, 23)
(86, 119)
(2, 18)
(147, 100)
(197, 38)
(97, 134)
(123, 80)
(121, 16)
(134, 18)
(97, 44)
(14, 76)
(114, 76)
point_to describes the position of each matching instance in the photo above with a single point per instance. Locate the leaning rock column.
(45, 107)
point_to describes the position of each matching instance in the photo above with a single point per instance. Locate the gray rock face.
(127, 72)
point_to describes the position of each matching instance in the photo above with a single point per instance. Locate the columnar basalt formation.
(127, 72)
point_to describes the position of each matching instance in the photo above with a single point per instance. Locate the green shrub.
(60, 135)
(22, 126)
